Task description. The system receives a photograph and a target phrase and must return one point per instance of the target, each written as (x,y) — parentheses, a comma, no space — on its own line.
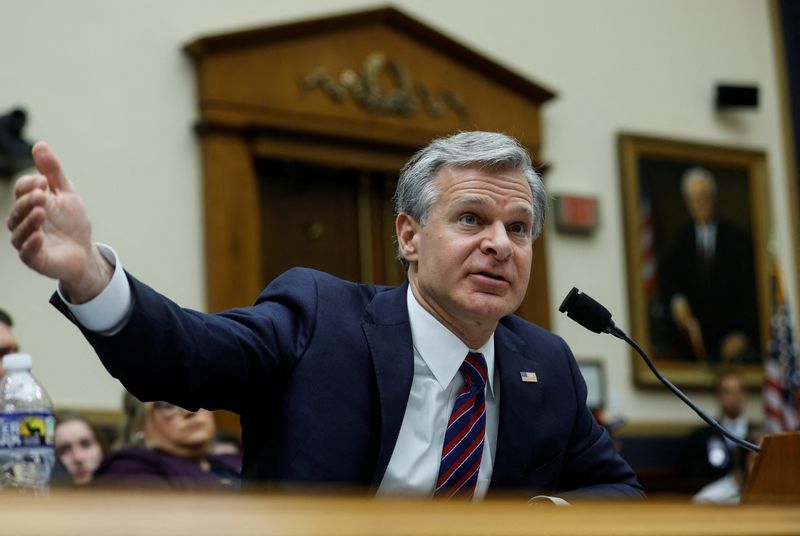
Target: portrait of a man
(707,280)
(696,247)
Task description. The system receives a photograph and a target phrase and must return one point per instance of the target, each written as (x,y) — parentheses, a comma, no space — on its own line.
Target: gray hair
(416,192)
(701,174)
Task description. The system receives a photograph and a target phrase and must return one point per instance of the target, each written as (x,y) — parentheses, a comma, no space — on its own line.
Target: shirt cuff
(108,312)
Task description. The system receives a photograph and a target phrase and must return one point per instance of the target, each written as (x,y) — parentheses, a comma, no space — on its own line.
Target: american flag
(646,251)
(782,379)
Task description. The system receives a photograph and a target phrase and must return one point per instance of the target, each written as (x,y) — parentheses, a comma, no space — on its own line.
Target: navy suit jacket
(320,371)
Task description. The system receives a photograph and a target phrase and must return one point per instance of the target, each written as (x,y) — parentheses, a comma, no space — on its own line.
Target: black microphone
(583,309)
(587,312)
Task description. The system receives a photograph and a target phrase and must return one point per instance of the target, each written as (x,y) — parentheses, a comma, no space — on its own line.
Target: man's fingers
(27,227)
(23,206)
(48,165)
(26,183)
(30,248)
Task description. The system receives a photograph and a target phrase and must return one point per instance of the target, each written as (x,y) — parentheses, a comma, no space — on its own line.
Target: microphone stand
(618,333)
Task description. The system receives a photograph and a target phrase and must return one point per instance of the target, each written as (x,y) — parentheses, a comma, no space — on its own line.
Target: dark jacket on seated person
(157,468)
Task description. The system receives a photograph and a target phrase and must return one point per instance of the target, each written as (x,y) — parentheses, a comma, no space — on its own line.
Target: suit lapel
(520,409)
(388,334)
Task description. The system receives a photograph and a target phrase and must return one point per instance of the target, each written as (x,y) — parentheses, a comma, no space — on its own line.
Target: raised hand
(51,230)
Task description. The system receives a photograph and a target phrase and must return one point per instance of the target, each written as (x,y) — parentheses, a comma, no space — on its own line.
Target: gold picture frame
(724,287)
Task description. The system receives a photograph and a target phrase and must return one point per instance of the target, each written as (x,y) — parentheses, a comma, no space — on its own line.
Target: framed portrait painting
(594,375)
(696,233)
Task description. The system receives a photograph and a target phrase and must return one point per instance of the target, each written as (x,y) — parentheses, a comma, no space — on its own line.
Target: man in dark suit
(708,279)
(431,388)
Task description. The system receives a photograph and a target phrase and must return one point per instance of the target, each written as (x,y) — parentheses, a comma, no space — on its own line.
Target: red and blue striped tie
(466,429)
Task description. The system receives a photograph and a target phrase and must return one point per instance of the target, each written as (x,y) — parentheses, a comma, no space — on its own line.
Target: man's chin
(485,307)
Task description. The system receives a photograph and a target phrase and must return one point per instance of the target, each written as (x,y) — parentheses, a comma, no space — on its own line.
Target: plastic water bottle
(27,427)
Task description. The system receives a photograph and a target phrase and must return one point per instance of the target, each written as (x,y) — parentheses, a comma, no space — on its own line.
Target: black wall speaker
(736,96)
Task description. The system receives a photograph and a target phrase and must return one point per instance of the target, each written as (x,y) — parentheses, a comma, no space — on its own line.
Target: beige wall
(107,86)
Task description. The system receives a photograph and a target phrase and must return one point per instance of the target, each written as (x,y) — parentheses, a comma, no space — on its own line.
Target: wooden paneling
(228,82)
(775,477)
(261,71)
(311,218)
(232,222)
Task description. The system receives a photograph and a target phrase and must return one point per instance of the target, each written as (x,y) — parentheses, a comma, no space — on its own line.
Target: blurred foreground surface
(103,512)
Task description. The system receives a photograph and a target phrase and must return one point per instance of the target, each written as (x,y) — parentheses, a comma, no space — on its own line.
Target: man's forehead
(698,185)
(480,179)
(453,171)
(730,382)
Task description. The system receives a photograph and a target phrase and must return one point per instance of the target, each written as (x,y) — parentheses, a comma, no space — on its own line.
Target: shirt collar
(735,425)
(441,350)
(710,227)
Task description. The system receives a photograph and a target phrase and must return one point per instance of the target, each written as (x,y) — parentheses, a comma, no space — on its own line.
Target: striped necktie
(463,442)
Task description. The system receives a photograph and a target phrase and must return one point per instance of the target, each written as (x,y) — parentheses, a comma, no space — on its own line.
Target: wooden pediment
(377,76)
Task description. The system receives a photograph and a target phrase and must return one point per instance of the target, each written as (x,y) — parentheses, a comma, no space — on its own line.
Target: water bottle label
(27,430)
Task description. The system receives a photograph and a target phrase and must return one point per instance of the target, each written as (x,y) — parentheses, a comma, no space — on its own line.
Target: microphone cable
(590,314)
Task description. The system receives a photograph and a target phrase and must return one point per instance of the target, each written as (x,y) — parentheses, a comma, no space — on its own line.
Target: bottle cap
(17,361)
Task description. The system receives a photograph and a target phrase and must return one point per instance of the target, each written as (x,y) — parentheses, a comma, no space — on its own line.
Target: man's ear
(407,229)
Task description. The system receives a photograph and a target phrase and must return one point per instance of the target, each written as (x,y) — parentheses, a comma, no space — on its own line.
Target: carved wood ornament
(402,98)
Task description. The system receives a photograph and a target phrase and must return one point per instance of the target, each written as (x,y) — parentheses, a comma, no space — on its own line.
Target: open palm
(49,225)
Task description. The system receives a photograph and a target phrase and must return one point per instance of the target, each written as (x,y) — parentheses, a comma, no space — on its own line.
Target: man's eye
(469,219)
(518,228)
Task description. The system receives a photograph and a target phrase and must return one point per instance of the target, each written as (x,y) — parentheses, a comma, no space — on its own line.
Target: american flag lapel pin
(529,377)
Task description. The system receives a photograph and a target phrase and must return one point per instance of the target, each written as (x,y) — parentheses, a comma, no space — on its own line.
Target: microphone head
(586,311)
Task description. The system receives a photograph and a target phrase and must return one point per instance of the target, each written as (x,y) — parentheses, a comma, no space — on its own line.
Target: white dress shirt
(738,427)
(438,354)
(725,490)
(107,312)
(414,466)
(706,239)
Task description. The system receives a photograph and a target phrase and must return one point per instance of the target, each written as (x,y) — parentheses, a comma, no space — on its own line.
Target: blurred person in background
(8,343)
(79,446)
(163,445)
(728,488)
(710,456)
(225,443)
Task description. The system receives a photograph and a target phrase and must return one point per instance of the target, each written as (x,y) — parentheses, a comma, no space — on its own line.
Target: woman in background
(79,447)
(168,446)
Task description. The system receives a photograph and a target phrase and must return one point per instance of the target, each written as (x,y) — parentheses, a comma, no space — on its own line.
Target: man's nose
(496,242)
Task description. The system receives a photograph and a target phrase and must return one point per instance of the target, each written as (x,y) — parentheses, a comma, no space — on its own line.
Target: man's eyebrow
(526,208)
(482,200)
(477,200)
(469,200)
